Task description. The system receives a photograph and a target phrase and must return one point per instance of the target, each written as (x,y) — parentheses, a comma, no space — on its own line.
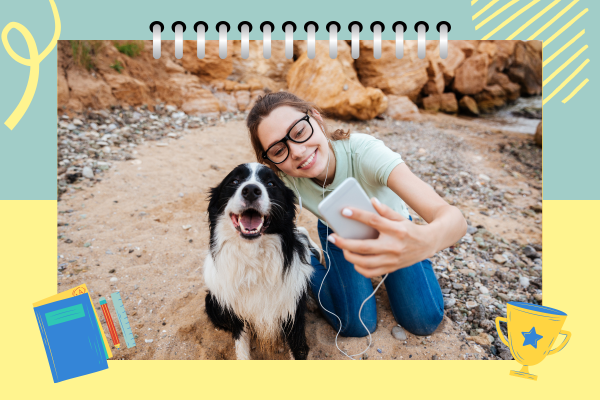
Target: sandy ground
(143,231)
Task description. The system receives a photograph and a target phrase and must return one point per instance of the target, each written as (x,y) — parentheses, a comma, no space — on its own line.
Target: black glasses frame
(288,137)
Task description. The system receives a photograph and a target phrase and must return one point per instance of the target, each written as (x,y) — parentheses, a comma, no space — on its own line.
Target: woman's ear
(316,115)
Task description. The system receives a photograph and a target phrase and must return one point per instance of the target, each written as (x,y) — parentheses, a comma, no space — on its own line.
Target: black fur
(282,223)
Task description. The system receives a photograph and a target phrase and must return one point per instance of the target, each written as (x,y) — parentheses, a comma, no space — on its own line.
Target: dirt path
(143,231)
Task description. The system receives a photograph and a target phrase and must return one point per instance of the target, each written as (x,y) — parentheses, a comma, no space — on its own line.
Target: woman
(288,134)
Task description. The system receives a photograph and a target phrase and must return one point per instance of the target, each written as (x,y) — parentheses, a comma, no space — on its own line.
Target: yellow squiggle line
(33,62)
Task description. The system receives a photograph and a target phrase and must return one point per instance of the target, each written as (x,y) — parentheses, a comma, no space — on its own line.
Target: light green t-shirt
(363,157)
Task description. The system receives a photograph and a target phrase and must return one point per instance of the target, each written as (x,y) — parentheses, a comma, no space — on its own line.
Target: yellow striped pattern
(547,6)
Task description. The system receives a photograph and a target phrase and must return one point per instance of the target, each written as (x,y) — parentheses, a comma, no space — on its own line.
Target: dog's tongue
(250,220)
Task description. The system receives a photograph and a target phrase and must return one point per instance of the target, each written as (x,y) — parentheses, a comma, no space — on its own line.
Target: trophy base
(524,373)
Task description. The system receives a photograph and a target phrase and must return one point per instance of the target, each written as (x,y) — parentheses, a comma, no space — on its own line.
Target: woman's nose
(296,149)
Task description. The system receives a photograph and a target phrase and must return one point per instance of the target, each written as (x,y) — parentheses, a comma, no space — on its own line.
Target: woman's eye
(299,133)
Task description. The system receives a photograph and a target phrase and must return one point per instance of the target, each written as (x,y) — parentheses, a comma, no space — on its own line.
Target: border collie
(258,266)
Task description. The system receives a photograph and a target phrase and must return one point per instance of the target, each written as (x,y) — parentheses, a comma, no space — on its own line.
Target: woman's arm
(402,243)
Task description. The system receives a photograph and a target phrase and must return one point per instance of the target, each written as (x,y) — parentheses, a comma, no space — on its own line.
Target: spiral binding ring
(266,28)
(311,28)
(156,28)
(399,27)
(443,28)
(178,27)
(245,28)
(421,27)
(289,28)
(377,27)
(355,27)
(333,28)
(223,38)
(200,27)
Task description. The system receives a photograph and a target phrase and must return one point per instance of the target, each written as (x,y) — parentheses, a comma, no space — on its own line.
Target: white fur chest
(247,277)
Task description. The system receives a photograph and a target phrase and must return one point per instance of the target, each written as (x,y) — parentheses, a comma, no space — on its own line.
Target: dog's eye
(235,182)
(270,184)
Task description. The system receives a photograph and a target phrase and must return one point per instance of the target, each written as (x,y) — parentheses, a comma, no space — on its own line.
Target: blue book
(71,337)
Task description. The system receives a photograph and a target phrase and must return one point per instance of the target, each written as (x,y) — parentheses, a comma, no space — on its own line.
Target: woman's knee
(356,329)
(425,324)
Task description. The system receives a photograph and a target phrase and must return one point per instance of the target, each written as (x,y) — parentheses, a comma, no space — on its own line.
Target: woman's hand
(400,244)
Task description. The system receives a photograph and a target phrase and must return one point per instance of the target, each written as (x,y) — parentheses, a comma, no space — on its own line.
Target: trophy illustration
(532,330)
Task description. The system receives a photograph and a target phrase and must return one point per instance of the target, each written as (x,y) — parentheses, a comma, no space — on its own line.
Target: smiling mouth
(250,223)
(308,160)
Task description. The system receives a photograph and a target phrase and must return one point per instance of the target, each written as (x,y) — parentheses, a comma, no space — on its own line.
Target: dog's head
(255,201)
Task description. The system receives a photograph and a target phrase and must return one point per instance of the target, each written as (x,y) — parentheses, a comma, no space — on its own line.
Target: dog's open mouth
(250,223)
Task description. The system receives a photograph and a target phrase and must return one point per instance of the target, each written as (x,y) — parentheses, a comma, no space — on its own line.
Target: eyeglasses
(299,133)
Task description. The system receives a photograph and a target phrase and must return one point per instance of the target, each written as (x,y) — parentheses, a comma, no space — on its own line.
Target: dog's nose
(251,192)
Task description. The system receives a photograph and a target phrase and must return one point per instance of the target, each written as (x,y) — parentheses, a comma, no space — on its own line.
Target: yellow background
(28,253)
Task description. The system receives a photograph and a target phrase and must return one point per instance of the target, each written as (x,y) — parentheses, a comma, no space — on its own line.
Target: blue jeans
(414,293)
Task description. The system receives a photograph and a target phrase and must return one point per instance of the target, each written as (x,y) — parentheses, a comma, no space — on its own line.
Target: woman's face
(305,160)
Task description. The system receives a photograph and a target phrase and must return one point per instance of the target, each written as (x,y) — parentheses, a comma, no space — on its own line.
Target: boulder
(401,108)
(211,67)
(228,101)
(490,98)
(505,55)
(268,73)
(436,82)
(401,77)
(62,88)
(242,98)
(333,85)
(128,90)
(445,102)
(512,90)
(538,134)
(526,68)
(449,65)
(471,76)
(88,91)
(187,92)
(469,105)
(466,46)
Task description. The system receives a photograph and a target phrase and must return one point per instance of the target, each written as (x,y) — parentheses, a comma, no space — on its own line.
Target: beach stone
(401,108)
(471,76)
(499,259)
(471,230)
(449,302)
(524,282)
(469,105)
(471,304)
(483,290)
(398,333)
(114,279)
(457,286)
(530,252)
(87,172)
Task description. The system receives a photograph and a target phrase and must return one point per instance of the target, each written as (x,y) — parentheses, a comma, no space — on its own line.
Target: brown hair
(270,101)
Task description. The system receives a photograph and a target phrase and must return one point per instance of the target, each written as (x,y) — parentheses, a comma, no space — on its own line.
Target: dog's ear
(213,199)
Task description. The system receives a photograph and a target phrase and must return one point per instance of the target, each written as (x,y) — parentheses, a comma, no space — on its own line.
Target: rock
(471,229)
(228,101)
(401,77)
(449,302)
(537,296)
(88,91)
(436,82)
(87,173)
(449,65)
(524,282)
(504,296)
(242,98)
(471,76)
(114,279)
(481,340)
(211,67)
(466,46)
(258,71)
(328,77)
(538,135)
(469,105)
(471,304)
(186,91)
(499,258)
(148,340)
(401,108)
(511,89)
(445,102)
(490,98)
(62,88)
(128,90)
(483,290)
(398,333)
(487,325)
(530,252)
(186,227)
(458,286)
(526,69)
(484,177)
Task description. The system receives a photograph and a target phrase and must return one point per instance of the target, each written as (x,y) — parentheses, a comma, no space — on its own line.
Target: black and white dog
(258,266)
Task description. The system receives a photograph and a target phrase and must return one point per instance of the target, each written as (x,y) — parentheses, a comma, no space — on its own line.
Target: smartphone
(348,194)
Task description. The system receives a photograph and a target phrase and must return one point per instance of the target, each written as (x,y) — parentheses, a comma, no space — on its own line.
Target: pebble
(114,279)
(149,340)
(499,259)
(87,172)
(458,286)
(87,244)
(524,281)
(449,302)
(471,304)
(471,230)
(109,252)
(379,350)
(398,333)
(484,177)
(484,290)
(186,227)
(180,194)
(530,252)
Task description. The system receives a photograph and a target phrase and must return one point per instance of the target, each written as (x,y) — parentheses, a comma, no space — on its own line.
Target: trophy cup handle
(563,344)
(500,334)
